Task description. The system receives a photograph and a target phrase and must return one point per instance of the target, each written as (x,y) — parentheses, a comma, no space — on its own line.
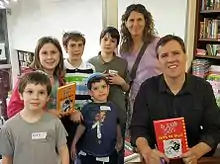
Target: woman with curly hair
(137,29)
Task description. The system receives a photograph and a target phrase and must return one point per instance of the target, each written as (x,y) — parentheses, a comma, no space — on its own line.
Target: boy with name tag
(116,71)
(33,135)
(102,134)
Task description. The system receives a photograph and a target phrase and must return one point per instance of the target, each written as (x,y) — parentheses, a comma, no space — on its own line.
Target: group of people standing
(96,130)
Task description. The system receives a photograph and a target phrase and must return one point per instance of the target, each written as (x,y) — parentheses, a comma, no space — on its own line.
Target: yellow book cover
(66,98)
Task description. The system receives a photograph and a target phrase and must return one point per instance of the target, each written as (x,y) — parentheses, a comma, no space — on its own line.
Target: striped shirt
(79,76)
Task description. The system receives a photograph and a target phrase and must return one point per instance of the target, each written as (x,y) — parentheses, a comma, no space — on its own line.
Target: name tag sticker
(106,108)
(38,135)
(113,72)
(102,159)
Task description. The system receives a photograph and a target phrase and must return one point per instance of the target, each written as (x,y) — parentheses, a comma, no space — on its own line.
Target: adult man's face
(172,59)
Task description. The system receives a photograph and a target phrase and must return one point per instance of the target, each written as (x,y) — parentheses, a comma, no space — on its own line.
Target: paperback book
(66,98)
(171,136)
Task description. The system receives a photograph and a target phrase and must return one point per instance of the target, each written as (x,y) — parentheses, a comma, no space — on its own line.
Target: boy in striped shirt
(77,71)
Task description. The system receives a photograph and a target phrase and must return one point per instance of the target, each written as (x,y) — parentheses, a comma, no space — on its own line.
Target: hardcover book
(66,98)
(171,136)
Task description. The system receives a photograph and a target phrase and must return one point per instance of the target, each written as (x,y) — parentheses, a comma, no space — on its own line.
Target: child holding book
(77,71)
(33,135)
(102,134)
(115,69)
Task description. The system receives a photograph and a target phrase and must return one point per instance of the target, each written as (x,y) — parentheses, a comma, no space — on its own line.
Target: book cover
(66,98)
(171,136)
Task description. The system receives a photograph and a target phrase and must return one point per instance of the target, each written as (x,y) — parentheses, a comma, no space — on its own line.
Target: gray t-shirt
(32,143)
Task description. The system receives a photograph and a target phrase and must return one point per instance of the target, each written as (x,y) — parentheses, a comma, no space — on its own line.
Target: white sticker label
(105,108)
(102,159)
(38,135)
(113,72)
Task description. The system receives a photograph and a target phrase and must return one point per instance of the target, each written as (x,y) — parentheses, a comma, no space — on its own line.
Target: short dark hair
(35,77)
(114,33)
(96,79)
(168,38)
(73,35)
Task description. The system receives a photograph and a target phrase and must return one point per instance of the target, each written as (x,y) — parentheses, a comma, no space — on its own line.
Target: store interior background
(23,22)
(27,20)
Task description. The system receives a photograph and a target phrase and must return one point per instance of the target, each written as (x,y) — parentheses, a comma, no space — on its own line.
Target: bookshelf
(25,58)
(207,34)
(206,63)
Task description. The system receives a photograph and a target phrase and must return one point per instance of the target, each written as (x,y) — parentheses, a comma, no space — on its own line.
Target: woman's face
(49,57)
(135,23)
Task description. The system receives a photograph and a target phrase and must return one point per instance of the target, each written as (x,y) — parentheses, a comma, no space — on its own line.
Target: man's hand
(196,152)
(190,157)
(153,156)
(76,116)
(150,156)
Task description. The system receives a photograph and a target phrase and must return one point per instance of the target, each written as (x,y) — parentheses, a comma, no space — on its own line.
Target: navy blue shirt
(101,127)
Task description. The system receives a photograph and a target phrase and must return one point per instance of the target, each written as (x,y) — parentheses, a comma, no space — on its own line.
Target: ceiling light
(6,1)
(2,7)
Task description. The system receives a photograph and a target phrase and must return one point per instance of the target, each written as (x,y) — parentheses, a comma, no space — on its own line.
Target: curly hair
(148,33)
(59,70)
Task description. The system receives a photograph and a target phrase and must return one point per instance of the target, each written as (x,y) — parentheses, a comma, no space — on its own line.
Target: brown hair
(112,31)
(168,38)
(72,35)
(148,33)
(35,77)
(59,70)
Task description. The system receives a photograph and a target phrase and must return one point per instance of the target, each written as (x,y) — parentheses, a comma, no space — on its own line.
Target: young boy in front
(33,135)
(102,134)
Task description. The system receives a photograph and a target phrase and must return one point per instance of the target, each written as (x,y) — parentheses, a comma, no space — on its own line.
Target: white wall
(32,19)
(169,15)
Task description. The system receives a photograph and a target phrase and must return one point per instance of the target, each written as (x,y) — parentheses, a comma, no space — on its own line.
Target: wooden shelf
(208,57)
(209,40)
(209,11)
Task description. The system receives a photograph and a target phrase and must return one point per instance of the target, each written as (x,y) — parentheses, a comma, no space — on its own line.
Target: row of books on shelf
(203,68)
(211,50)
(210,5)
(210,29)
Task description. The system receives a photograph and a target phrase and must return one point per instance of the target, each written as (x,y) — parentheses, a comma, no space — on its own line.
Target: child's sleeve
(6,142)
(15,104)
(61,134)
